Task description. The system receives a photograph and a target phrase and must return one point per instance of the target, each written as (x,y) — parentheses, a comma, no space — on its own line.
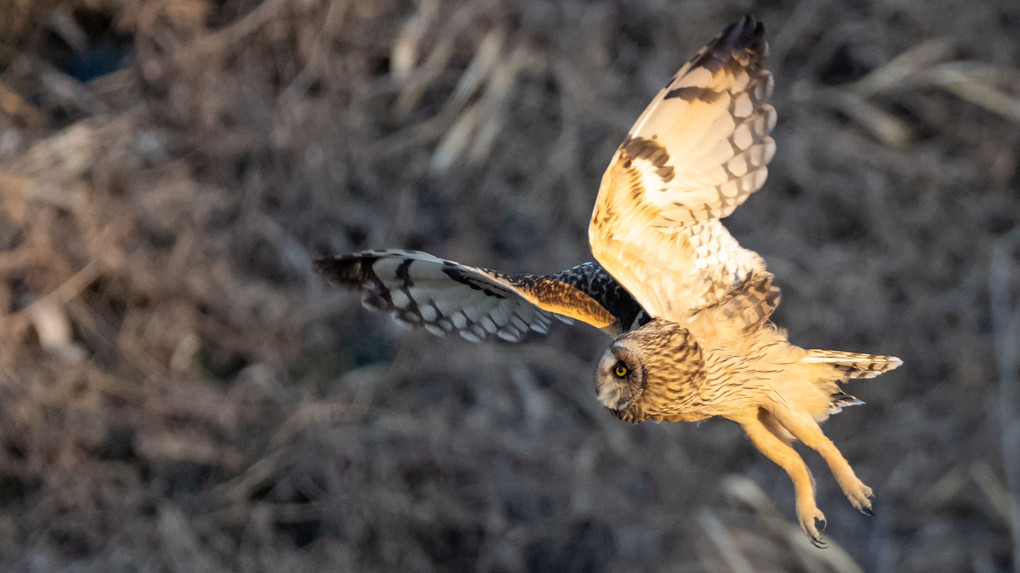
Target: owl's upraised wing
(421,290)
(696,153)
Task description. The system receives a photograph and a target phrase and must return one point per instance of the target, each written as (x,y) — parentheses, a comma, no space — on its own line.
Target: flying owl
(688,307)
(729,360)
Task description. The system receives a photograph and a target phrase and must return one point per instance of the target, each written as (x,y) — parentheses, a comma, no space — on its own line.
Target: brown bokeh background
(178,392)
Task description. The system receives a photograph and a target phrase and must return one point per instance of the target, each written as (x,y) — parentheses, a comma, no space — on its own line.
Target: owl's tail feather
(854,365)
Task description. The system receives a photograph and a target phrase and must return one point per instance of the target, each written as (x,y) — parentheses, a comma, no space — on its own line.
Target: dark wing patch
(651,151)
(597,283)
(744,36)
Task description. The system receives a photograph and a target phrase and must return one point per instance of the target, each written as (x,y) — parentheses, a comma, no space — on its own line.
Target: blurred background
(178,392)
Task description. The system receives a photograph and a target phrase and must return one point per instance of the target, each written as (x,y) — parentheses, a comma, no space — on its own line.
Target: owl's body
(690,378)
(688,306)
(724,360)
(729,360)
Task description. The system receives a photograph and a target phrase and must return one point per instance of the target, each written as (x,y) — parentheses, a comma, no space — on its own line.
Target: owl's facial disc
(619,379)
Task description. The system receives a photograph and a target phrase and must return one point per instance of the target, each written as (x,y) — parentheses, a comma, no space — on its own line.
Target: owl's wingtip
(327,267)
(321,266)
(747,32)
(345,270)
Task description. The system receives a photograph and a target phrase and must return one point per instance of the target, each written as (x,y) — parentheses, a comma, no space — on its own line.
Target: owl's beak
(611,395)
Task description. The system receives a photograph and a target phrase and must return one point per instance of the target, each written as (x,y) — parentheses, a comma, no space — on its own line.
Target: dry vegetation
(179,393)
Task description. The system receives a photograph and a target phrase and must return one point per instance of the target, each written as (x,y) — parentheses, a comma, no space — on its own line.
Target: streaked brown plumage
(729,360)
(699,150)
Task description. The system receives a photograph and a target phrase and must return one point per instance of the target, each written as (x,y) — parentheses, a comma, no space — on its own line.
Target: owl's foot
(807,430)
(809,518)
(859,495)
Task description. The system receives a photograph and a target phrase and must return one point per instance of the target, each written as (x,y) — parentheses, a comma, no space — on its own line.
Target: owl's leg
(806,430)
(787,458)
(775,427)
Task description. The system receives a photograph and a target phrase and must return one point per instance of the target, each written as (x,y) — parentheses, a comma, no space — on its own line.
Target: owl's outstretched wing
(696,153)
(421,290)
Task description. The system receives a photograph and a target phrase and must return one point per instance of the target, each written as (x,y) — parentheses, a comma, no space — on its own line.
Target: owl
(729,360)
(688,308)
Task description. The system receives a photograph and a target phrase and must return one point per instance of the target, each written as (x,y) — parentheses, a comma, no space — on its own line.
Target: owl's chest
(729,385)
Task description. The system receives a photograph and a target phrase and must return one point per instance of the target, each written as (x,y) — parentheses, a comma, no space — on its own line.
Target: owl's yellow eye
(620,371)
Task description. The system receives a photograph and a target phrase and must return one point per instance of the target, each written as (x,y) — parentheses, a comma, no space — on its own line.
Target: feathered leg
(775,427)
(787,458)
(807,430)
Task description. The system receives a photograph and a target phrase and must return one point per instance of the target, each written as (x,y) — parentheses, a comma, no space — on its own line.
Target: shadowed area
(180,392)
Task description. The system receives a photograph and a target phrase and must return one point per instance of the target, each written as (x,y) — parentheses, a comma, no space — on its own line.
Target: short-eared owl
(688,306)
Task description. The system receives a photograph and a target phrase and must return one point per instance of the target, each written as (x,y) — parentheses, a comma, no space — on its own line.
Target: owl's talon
(809,524)
(860,497)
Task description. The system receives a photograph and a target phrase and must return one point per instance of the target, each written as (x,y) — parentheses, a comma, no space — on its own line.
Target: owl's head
(662,356)
(620,378)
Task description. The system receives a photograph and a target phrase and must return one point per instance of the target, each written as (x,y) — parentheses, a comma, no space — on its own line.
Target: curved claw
(860,497)
(809,524)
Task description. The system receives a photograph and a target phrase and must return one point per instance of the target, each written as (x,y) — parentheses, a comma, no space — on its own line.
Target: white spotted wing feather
(421,290)
(442,296)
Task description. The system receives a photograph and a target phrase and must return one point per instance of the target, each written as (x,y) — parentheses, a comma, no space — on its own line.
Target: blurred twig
(853,100)
(923,65)
(973,81)
(473,133)
(62,294)
(904,66)
(745,492)
(1005,310)
(729,549)
(14,105)
(237,32)
(881,124)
